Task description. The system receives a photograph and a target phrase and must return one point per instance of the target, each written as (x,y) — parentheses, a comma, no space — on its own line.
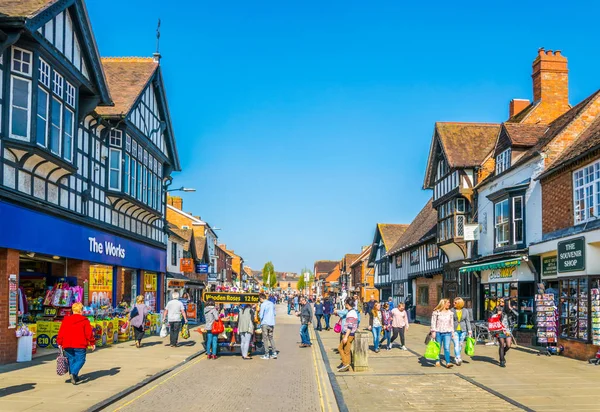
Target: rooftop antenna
(156,56)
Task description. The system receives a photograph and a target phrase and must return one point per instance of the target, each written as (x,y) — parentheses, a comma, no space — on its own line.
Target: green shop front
(570,269)
(512,280)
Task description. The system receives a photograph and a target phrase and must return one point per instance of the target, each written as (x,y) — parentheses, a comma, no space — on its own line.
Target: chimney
(550,78)
(175,201)
(516,106)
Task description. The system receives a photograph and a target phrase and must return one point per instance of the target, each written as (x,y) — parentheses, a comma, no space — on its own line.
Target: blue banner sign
(32,231)
(202,268)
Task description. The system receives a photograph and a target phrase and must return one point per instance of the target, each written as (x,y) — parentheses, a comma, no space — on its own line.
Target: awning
(491,265)
(178,276)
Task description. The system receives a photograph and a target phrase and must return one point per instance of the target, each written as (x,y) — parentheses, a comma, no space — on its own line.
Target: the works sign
(571,255)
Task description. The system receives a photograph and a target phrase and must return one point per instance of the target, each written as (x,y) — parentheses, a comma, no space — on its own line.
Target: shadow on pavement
(426,363)
(11,390)
(484,359)
(92,376)
(147,345)
(188,343)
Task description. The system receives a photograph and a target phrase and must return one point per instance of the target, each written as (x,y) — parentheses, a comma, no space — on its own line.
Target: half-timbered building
(386,235)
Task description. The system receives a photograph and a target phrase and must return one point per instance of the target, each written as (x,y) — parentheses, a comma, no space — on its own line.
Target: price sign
(43,341)
(50,312)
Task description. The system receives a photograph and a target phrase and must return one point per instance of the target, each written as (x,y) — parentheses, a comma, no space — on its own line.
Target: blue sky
(302,124)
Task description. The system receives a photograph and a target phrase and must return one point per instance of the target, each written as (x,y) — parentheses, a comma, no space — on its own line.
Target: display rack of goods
(546,319)
(595,316)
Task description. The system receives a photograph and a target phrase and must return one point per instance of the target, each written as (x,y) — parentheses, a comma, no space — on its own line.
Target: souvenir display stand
(595,316)
(546,319)
(227,304)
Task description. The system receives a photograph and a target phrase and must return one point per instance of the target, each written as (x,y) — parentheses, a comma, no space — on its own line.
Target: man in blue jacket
(267,324)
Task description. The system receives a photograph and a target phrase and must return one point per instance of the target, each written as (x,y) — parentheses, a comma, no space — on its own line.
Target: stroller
(596,360)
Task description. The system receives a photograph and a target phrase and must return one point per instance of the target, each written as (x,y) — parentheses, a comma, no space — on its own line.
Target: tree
(269,276)
(301,283)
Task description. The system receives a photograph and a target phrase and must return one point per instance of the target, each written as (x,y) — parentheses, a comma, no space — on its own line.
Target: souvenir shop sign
(228,297)
(72,240)
(571,255)
(549,266)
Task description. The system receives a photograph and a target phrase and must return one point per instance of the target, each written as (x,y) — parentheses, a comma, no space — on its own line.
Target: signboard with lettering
(502,274)
(175,283)
(571,255)
(230,297)
(549,266)
(202,268)
(186,265)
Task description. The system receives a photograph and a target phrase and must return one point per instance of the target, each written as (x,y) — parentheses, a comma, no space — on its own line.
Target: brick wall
(424,311)
(9,265)
(178,219)
(578,350)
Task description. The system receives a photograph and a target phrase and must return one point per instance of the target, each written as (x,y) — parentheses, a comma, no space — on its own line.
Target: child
(596,360)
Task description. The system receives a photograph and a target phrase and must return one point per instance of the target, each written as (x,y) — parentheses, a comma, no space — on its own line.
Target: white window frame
(21,62)
(113,152)
(515,220)
(45,73)
(72,136)
(497,225)
(70,94)
(12,106)
(116,138)
(58,84)
(586,189)
(47,119)
(60,129)
(503,161)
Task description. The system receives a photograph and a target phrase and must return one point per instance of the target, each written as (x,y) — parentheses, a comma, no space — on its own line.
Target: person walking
(506,312)
(173,313)
(290,302)
(462,327)
(246,329)
(306,315)
(369,310)
(327,310)
(211,314)
(74,337)
(386,317)
(319,314)
(348,331)
(267,324)
(296,305)
(376,325)
(442,328)
(399,325)
(137,319)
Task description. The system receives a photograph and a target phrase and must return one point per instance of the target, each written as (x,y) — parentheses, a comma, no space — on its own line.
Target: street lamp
(182,189)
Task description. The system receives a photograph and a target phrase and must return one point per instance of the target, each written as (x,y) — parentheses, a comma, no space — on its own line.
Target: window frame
(584,189)
(423,295)
(64,134)
(13,59)
(432,250)
(113,151)
(503,161)
(514,220)
(12,107)
(46,120)
(398,260)
(415,257)
(506,222)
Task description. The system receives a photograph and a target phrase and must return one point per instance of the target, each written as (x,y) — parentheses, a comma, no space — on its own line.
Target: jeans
(211,343)
(76,359)
(175,328)
(398,331)
(376,335)
(246,338)
(444,338)
(304,336)
(296,307)
(459,339)
(327,317)
(344,350)
(319,317)
(289,308)
(387,336)
(267,338)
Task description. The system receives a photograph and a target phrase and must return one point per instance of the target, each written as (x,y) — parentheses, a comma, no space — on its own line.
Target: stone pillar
(9,265)
(360,351)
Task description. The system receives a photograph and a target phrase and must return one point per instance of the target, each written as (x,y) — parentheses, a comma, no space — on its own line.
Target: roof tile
(24,8)
(467,144)
(422,227)
(391,232)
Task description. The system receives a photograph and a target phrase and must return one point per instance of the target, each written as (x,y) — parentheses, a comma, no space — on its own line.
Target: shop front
(49,263)
(570,270)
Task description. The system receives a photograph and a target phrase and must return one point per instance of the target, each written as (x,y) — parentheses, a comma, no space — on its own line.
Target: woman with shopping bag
(500,324)
(74,337)
(462,327)
(137,320)
(442,329)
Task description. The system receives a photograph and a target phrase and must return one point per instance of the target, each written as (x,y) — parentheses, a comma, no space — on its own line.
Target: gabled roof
(463,145)
(524,135)
(24,8)
(362,256)
(422,228)
(349,259)
(325,266)
(390,233)
(186,235)
(127,78)
(194,220)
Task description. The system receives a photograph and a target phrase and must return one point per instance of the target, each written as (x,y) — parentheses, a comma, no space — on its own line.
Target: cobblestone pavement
(288,383)
(403,380)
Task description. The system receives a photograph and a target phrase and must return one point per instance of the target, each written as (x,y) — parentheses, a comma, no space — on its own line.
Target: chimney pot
(551,78)
(516,106)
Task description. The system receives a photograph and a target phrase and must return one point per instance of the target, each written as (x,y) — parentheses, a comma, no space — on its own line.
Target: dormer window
(503,161)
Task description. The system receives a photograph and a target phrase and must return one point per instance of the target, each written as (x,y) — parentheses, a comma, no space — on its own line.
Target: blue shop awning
(491,265)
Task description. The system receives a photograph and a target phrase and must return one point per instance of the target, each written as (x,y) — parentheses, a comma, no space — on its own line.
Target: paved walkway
(34,386)
(296,381)
(403,380)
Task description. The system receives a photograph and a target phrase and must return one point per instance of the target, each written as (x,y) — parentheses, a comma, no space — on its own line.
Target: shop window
(423,295)
(574,308)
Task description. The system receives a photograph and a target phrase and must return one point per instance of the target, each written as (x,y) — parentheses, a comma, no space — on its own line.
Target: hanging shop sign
(549,266)
(226,297)
(175,284)
(202,268)
(186,265)
(73,240)
(571,255)
(502,274)
(12,301)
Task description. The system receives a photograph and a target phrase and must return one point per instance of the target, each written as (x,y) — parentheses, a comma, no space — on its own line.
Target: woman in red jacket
(74,336)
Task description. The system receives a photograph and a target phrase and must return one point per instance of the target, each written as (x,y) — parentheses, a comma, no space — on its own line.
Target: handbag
(338,326)
(470,346)
(495,324)
(164,330)
(428,338)
(185,331)
(432,352)
(217,327)
(62,363)
(134,312)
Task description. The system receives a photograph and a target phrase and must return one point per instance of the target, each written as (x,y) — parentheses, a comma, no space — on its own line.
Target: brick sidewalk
(403,380)
(34,386)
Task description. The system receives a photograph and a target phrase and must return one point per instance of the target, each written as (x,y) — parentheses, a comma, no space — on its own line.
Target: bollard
(360,351)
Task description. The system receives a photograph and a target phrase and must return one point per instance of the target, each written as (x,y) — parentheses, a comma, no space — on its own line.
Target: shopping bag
(164,330)
(185,331)
(338,326)
(62,364)
(495,323)
(218,327)
(470,346)
(432,352)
